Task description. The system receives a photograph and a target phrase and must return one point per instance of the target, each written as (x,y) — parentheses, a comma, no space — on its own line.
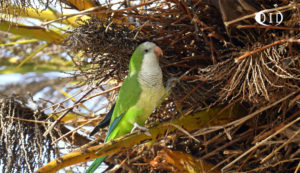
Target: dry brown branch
(64,114)
(242,120)
(280,147)
(259,144)
(260,49)
(267,27)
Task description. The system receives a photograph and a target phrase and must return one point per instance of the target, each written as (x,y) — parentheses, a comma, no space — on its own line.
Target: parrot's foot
(136,126)
(171,83)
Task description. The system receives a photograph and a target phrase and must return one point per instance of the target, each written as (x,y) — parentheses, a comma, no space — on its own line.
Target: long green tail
(95,164)
(99,160)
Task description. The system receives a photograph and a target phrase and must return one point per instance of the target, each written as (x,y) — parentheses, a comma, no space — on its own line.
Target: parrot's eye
(146,50)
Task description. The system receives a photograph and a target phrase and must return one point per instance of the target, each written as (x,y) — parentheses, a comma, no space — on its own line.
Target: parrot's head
(146,53)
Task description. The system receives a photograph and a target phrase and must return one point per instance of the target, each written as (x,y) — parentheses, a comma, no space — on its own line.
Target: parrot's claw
(171,83)
(144,129)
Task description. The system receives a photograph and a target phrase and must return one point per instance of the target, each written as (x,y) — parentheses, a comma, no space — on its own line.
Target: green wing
(128,96)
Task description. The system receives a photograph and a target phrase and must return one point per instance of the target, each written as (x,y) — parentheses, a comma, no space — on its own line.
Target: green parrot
(140,93)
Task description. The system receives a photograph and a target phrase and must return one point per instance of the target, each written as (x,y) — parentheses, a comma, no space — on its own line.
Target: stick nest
(217,65)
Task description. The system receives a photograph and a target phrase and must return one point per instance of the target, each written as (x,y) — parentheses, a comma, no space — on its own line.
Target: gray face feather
(150,74)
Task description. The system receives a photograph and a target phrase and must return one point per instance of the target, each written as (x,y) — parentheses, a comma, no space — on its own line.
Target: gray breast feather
(153,80)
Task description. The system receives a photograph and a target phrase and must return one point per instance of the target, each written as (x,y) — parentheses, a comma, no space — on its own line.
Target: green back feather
(131,89)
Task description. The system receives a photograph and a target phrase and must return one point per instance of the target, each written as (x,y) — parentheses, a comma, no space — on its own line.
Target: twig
(264,135)
(258,144)
(88,98)
(220,163)
(57,104)
(184,131)
(244,119)
(193,90)
(298,167)
(246,160)
(264,167)
(259,49)
(69,110)
(266,27)
(221,148)
(280,147)
(87,11)
(32,121)
(63,115)
(71,131)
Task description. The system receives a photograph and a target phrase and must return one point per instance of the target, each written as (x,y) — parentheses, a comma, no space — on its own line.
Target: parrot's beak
(158,52)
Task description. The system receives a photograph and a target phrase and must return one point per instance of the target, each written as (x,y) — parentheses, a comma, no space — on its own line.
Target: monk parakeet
(140,93)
